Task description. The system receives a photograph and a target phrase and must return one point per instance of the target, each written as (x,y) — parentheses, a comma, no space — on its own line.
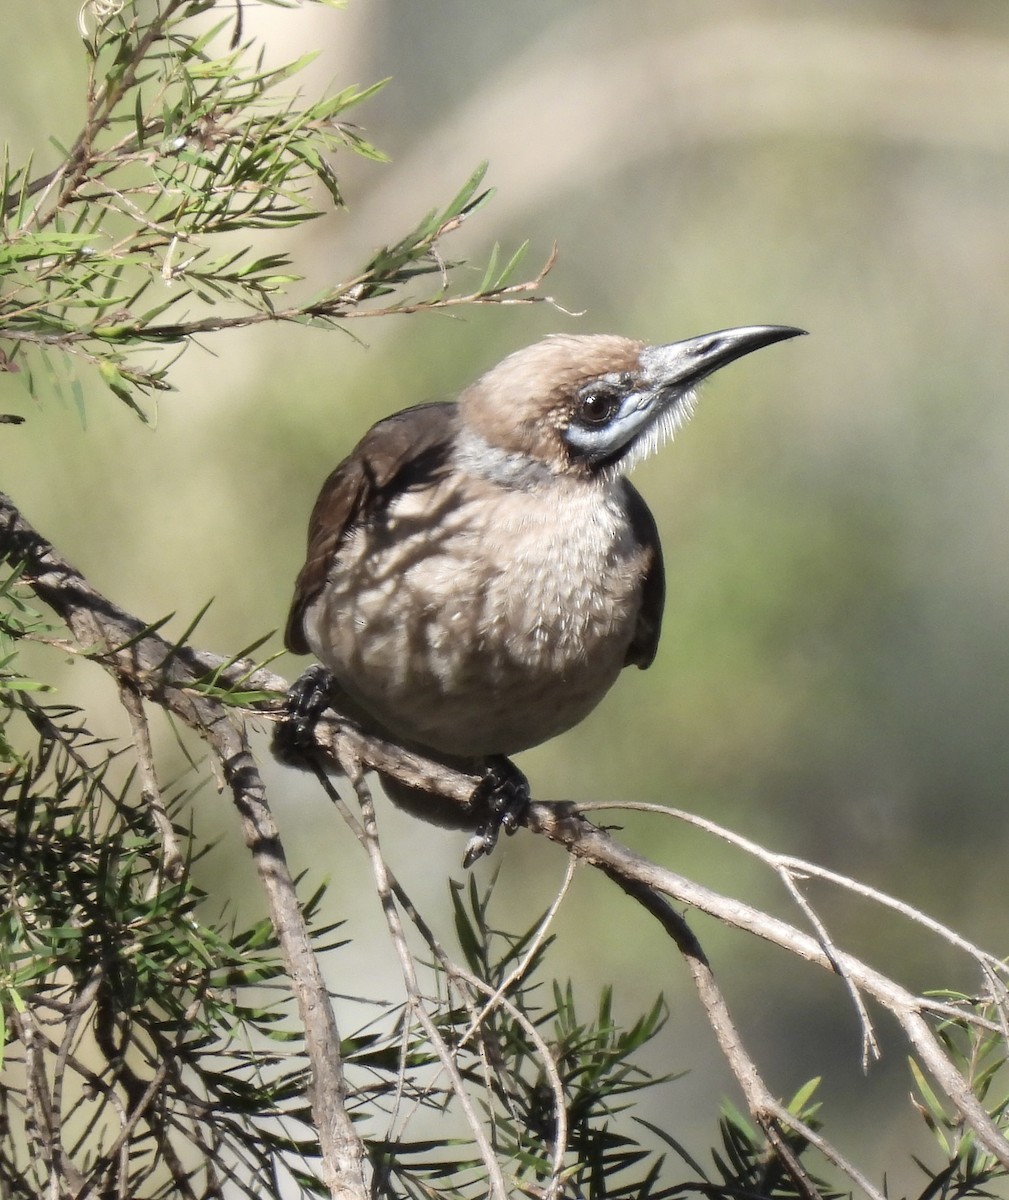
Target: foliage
(126,251)
(743,1163)
(146,1035)
(981,1054)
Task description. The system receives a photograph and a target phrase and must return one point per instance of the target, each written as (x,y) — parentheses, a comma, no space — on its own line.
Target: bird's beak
(661,395)
(679,366)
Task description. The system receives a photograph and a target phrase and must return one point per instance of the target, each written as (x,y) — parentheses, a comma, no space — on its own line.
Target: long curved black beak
(681,365)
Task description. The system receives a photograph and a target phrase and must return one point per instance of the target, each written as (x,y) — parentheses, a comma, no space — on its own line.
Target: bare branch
(564,824)
(173,862)
(870,1046)
(160,672)
(800,867)
(771,1115)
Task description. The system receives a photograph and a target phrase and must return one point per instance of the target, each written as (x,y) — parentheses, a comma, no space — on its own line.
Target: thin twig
(37,1127)
(414,996)
(518,972)
(766,1110)
(342,304)
(801,866)
(173,860)
(79,1008)
(870,1046)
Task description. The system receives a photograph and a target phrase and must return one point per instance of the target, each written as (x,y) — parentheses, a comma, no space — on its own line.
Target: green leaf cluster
(146,1032)
(148,233)
(18,619)
(979,1054)
(184,140)
(743,1163)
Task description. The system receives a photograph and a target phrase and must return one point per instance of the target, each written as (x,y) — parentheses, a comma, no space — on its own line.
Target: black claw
(307,699)
(482,842)
(504,792)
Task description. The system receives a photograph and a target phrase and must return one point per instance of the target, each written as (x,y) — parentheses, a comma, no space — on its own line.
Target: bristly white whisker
(662,430)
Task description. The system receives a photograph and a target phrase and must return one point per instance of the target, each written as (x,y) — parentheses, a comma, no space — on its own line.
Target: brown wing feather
(644,644)
(408,449)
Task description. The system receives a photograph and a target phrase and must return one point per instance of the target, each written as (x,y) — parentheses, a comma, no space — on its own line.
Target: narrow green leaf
(802,1097)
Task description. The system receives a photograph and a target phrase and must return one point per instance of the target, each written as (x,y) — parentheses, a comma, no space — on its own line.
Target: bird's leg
(307,699)
(501,798)
(504,793)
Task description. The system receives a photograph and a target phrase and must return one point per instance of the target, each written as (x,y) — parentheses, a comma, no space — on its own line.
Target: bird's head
(595,404)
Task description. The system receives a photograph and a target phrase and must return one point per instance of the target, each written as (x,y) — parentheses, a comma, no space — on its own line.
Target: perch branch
(173,677)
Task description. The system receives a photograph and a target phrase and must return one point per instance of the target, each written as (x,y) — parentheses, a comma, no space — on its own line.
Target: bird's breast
(478,619)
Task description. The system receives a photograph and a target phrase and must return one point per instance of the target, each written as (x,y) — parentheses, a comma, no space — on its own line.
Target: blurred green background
(832,680)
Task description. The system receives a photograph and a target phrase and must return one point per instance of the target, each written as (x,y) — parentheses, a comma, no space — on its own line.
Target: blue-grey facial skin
(650,405)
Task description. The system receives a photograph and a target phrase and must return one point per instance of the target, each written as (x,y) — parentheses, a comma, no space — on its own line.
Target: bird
(480,571)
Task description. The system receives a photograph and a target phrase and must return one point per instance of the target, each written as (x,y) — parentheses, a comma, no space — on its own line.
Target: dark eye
(596,407)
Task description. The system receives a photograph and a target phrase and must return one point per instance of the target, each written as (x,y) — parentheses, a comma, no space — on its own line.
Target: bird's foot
(504,793)
(307,699)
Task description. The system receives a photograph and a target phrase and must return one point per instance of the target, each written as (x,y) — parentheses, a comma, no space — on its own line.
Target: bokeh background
(833,676)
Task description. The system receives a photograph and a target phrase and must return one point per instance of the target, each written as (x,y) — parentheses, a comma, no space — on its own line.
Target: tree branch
(173,676)
(563,823)
(167,674)
(766,1110)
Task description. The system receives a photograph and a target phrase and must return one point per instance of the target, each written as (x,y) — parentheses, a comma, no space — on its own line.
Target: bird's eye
(596,407)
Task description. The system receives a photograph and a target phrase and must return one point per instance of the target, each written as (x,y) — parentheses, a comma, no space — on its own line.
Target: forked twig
(565,825)
(803,867)
(771,1115)
(173,861)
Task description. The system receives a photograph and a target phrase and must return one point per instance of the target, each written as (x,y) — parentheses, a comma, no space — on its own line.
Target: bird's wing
(406,450)
(641,651)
